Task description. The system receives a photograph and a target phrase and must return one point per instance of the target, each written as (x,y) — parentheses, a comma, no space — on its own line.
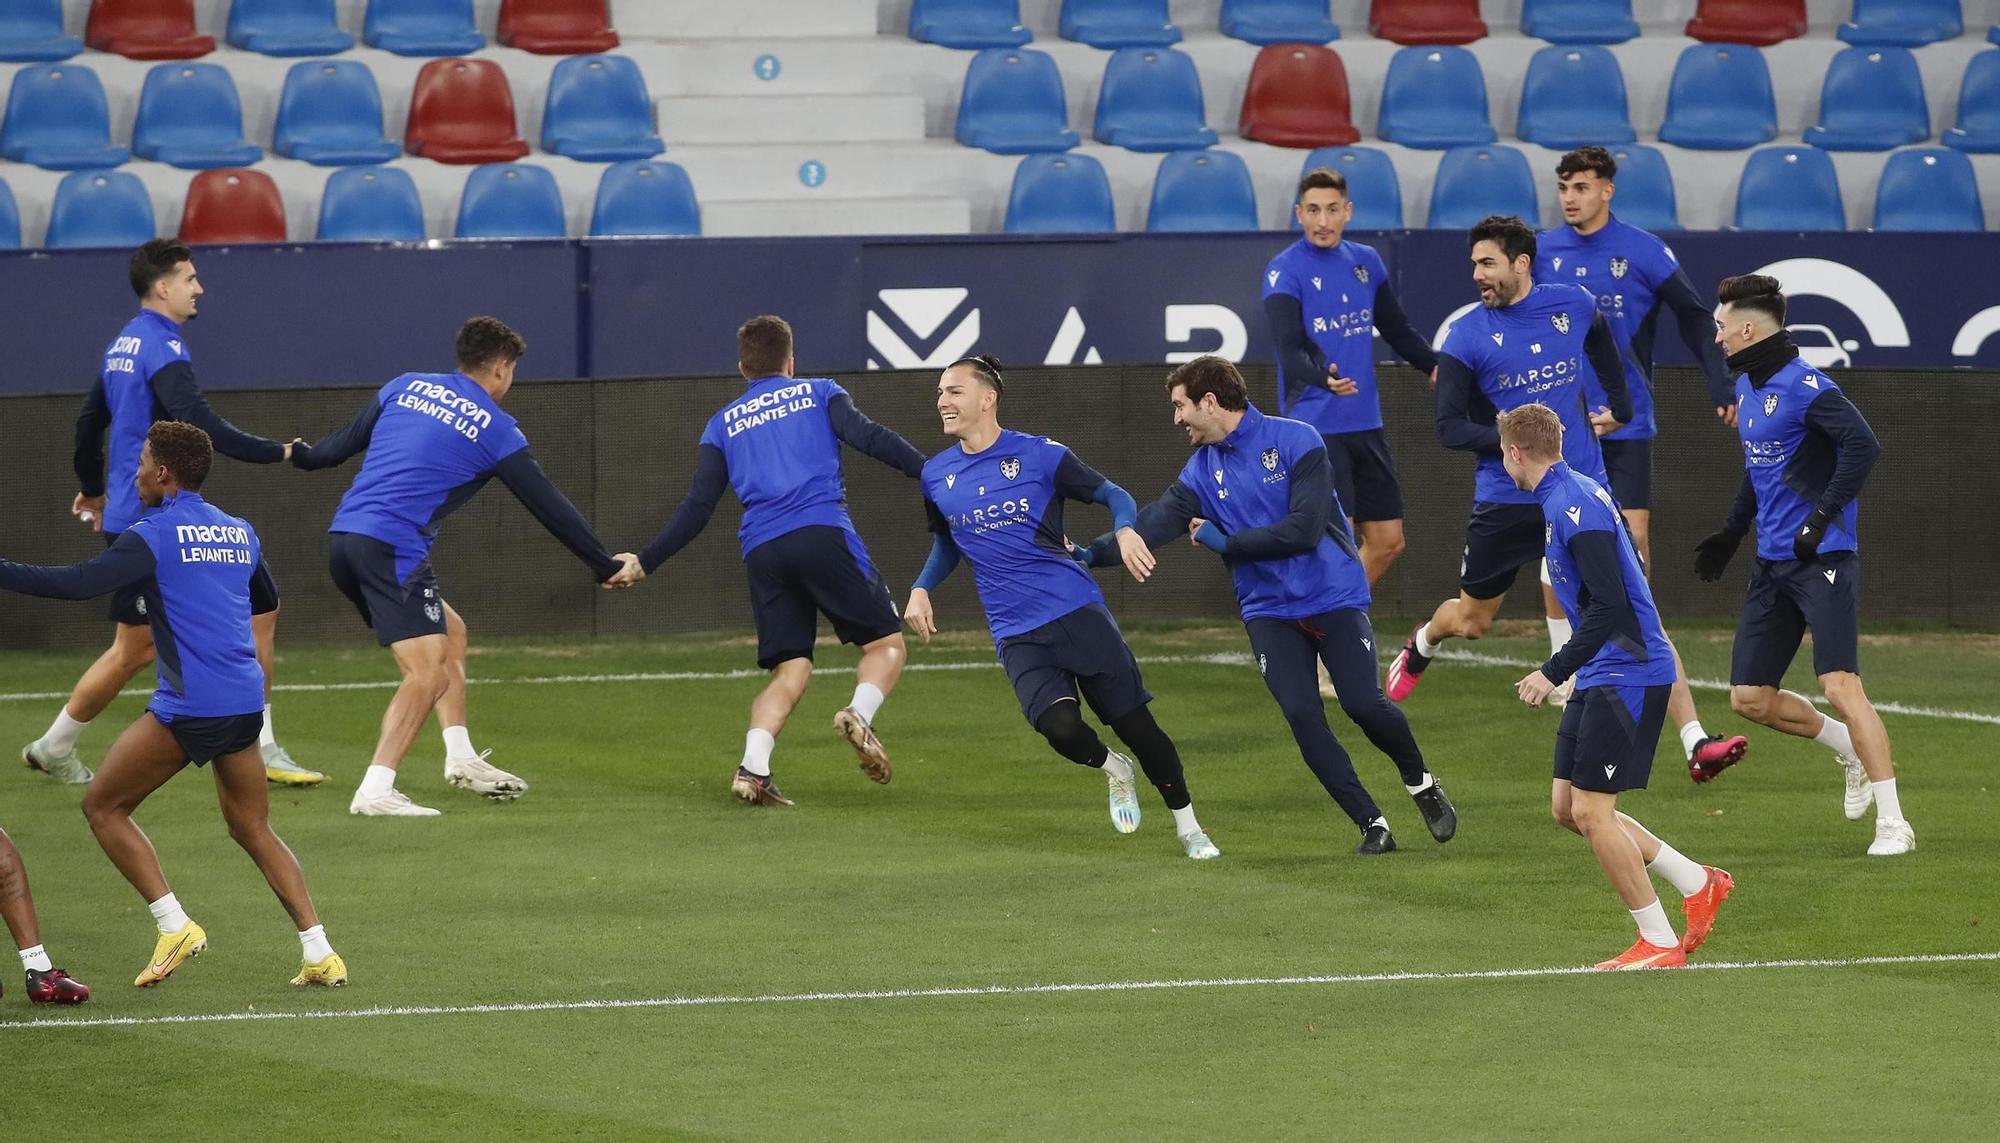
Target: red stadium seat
(1427,21)
(146,29)
(1757,22)
(231,204)
(557,27)
(1297,97)
(462,111)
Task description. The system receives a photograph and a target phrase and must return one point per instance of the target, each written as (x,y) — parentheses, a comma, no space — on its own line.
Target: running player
(47,984)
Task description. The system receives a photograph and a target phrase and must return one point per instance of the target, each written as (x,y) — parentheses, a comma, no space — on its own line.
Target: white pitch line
(981,991)
(1220,659)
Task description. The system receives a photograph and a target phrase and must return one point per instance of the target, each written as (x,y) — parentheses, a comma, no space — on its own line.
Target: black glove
(1712,555)
(1805,545)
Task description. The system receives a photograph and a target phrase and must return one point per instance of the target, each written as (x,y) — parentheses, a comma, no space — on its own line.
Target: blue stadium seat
(641,198)
(1574,97)
(598,111)
(968,23)
(101,208)
(1150,100)
(1645,189)
(10,219)
(1013,104)
(1929,188)
(1278,21)
(31,31)
(1372,185)
(422,27)
(1720,99)
(330,114)
(287,27)
(1119,23)
(1789,188)
(1978,127)
(1060,194)
(1434,98)
(1872,100)
(511,200)
(371,204)
(1903,23)
(58,120)
(1579,21)
(1473,182)
(1202,190)
(189,117)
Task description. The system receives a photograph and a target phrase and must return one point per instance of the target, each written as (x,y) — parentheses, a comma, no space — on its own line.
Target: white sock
(1833,735)
(1685,875)
(1652,922)
(36,959)
(1559,632)
(314,942)
(1184,823)
(62,734)
(867,700)
(1118,766)
(1425,647)
(757,747)
(1420,787)
(1691,736)
(1888,804)
(458,743)
(270,736)
(378,780)
(168,914)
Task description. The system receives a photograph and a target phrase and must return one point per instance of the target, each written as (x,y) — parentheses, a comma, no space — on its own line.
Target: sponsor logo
(1562,322)
(1011,467)
(1619,266)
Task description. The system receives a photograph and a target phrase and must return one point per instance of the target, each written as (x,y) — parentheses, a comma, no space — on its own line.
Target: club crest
(1562,322)
(1270,460)
(1619,266)
(1361,274)
(1770,404)
(1011,467)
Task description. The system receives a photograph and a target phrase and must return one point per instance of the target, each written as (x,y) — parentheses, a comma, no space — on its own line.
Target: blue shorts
(397,607)
(1629,465)
(1499,539)
(808,572)
(130,605)
(206,739)
(1786,598)
(1082,651)
(1364,476)
(1608,736)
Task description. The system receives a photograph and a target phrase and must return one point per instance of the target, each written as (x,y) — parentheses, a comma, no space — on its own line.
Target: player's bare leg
(54,753)
(768,713)
(881,666)
(422,661)
(1595,815)
(465,767)
(1461,618)
(141,761)
(278,764)
(47,984)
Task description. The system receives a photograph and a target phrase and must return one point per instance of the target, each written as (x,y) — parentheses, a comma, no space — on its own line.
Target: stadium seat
(100,208)
(598,111)
(1474,182)
(189,116)
(1789,188)
(462,111)
(1434,98)
(1060,194)
(1872,100)
(1759,23)
(1150,100)
(10,219)
(968,23)
(1297,97)
(1013,104)
(1645,189)
(1579,21)
(232,206)
(422,27)
(557,27)
(371,204)
(1426,21)
(1372,185)
(1930,188)
(330,115)
(1978,126)
(287,27)
(31,31)
(57,119)
(146,29)
(510,200)
(1202,190)
(1278,21)
(1903,23)
(1118,23)
(641,198)
(1574,97)
(1720,99)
